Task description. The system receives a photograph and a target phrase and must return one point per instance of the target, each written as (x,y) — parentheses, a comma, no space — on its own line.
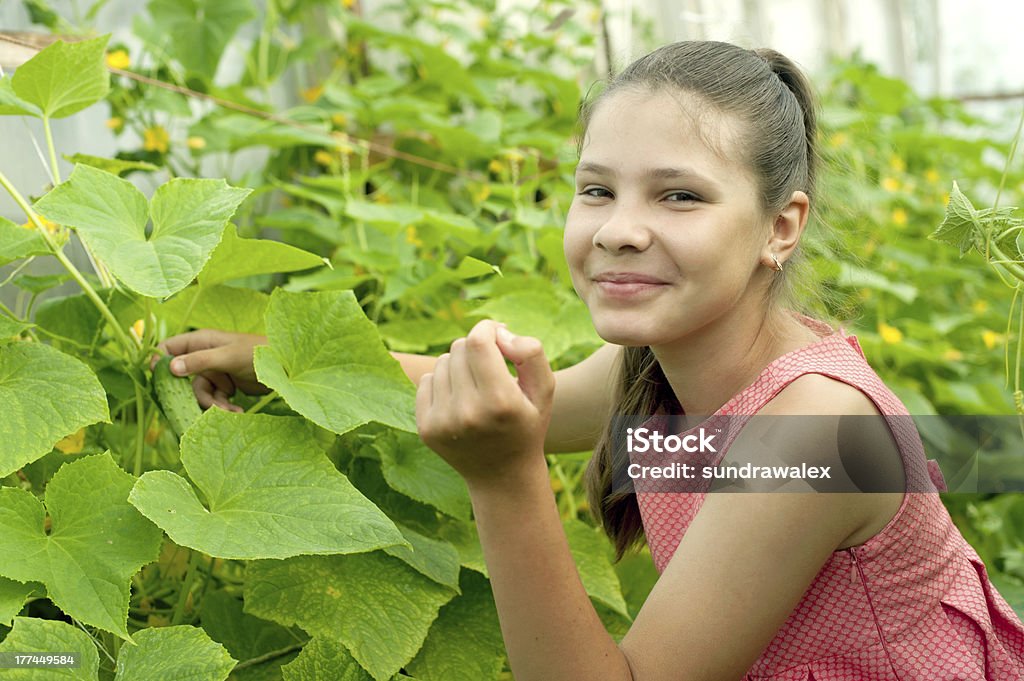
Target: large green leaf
(110,214)
(324,659)
(465,642)
(46,395)
(181,653)
(198,30)
(219,307)
(13,105)
(32,635)
(590,552)
(560,324)
(17,242)
(415,471)
(65,77)
(245,637)
(433,558)
(10,328)
(327,361)
(12,598)
(235,257)
(270,492)
(376,605)
(96,541)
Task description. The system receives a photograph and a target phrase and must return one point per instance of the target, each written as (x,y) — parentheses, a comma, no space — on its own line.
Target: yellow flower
(514,156)
(865,293)
(312,94)
(495,166)
(348,4)
(323,157)
(932,175)
(483,22)
(115,122)
(118,59)
(837,140)
(72,444)
(980,306)
(890,184)
(897,164)
(138,328)
(480,195)
(412,237)
(343,147)
(952,355)
(156,139)
(899,217)
(890,334)
(339,120)
(50,226)
(196,142)
(945,198)
(991,338)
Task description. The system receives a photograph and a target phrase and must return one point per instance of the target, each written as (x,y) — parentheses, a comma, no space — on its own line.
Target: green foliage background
(426,171)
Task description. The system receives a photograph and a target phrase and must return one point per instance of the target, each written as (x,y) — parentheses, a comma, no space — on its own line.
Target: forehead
(641,128)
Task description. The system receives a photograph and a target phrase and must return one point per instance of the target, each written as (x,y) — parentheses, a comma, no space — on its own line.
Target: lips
(627,278)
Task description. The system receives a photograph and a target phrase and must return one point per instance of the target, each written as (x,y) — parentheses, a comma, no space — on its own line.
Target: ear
(786,230)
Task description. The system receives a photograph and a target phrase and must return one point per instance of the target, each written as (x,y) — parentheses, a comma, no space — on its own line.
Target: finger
(484,356)
(442,381)
(462,375)
(203,390)
(220,400)
(532,366)
(191,341)
(220,358)
(424,399)
(220,381)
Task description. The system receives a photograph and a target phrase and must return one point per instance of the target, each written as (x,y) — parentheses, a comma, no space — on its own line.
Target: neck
(741,343)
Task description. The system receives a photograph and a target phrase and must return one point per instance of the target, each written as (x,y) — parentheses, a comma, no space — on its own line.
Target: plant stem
(186,587)
(273,654)
(121,334)
(54,168)
(140,428)
(264,401)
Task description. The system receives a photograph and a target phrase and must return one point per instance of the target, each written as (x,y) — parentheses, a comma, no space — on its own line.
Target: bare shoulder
(833,423)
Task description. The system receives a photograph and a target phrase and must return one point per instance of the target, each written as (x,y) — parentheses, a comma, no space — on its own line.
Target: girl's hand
(486,423)
(221,362)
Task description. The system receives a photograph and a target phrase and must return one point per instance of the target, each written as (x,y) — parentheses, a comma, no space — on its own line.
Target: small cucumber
(174,393)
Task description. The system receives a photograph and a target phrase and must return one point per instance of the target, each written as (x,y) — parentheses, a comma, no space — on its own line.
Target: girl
(696,172)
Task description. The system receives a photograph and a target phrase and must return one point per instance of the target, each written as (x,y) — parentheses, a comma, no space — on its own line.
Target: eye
(595,192)
(680,197)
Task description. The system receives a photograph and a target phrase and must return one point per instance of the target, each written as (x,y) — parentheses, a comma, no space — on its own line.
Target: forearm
(550,627)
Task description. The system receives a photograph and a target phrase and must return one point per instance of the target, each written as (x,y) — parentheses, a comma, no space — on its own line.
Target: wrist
(527,472)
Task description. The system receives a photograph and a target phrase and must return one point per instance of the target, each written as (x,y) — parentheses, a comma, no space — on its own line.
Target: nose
(626,228)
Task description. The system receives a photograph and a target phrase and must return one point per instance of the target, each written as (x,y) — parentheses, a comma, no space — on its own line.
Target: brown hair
(773,100)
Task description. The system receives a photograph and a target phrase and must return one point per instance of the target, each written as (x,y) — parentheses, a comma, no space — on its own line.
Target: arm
(744,563)
(222,362)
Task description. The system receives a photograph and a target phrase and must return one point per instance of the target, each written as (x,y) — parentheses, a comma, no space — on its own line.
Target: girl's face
(664,236)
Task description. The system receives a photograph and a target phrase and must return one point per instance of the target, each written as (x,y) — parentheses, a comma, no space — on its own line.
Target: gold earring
(778,265)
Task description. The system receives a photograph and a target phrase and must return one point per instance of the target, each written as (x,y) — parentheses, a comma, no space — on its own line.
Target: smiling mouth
(625,286)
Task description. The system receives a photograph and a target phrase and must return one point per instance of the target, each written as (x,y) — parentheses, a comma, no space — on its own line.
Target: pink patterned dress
(912,603)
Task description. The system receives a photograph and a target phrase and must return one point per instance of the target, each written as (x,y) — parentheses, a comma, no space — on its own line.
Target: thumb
(196,362)
(535,376)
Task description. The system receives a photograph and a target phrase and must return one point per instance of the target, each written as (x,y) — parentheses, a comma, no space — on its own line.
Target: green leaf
(12,105)
(559,324)
(432,558)
(18,242)
(235,257)
(465,642)
(270,491)
(418,335)
(11,329)
(114,166)
(110,215)
(324,659)
(181,653)
(414,470)
(12,598)
(590,552)
(218,307)
(242,635)
(32,635)
(198,30)
(376,605)
(65,77)
(96,542)
(960,226)
(327,361)
(46,395)
(861,277)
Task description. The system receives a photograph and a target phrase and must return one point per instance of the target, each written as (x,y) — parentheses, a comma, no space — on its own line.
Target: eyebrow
(653,173)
